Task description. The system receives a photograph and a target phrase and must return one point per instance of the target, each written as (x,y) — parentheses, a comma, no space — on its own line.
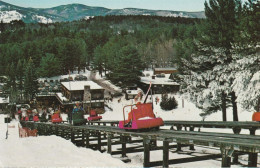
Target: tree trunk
(234,104)
(100,70)
(224,106)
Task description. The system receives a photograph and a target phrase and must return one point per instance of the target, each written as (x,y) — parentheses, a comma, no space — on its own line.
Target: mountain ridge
(76,11)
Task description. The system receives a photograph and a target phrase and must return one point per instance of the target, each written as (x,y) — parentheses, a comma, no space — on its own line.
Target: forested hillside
(101,42)
(217,58)
(71,12)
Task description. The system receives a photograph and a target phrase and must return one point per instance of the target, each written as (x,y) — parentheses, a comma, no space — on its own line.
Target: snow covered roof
(165,69)
(79,85)
(133,92)
(62,98)
(4,100)
(158,81)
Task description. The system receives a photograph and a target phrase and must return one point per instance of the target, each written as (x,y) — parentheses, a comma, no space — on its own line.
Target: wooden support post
(62,133)
(39,130)
(192,145)
(123,141)
(235,158)
(87,139)
(129,139)
(48,130)
(56,130)
(83,137)
(179,127)
(99,141)
(72,135)
(252,158)
(226,157)
(109,144)
(252,131)
(165,154)
(146,152)
(236,131)
(153,143)
(45,130)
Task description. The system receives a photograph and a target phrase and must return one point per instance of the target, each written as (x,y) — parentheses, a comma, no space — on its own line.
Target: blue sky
(176,5)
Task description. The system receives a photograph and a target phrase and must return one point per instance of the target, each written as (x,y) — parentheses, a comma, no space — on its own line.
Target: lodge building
(164,71)
(88,93)
(160,80)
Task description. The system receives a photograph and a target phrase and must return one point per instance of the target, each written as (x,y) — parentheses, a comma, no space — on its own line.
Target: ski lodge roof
(165,69)
(157,81)
(4,100)
(79,85)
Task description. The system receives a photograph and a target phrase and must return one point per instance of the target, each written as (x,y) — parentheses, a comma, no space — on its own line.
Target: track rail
(229,144)
(236,126)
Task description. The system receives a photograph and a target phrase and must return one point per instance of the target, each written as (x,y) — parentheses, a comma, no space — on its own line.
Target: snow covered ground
(53,151)
(47,151)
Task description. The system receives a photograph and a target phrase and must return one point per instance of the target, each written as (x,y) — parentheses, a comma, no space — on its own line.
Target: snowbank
(47,151)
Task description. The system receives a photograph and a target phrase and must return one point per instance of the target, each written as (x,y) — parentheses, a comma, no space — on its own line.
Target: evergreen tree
(221,27)
(30,81)
(99,60)
(20,76)
(247,57)
(210,73)
(168,103)
(49,66)
(128,67)
(12,76)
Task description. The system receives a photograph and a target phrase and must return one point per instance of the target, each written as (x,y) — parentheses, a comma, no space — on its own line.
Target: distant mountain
(9,12)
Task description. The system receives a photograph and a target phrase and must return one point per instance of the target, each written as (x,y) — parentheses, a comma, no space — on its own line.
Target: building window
(97,105)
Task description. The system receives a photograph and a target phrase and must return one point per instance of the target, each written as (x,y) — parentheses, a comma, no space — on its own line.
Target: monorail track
(229,144)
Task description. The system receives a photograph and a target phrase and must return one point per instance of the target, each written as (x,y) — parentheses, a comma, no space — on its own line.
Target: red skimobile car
(256,115)
(55,118)
(93,116)
(141,116)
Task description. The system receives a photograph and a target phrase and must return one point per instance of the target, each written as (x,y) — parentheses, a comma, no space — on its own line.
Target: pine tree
(12,76)
(20,77)
(30,81)
(247,57)
(99,60)
(128,66)
(168,103)
(210,76)
(49,66)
